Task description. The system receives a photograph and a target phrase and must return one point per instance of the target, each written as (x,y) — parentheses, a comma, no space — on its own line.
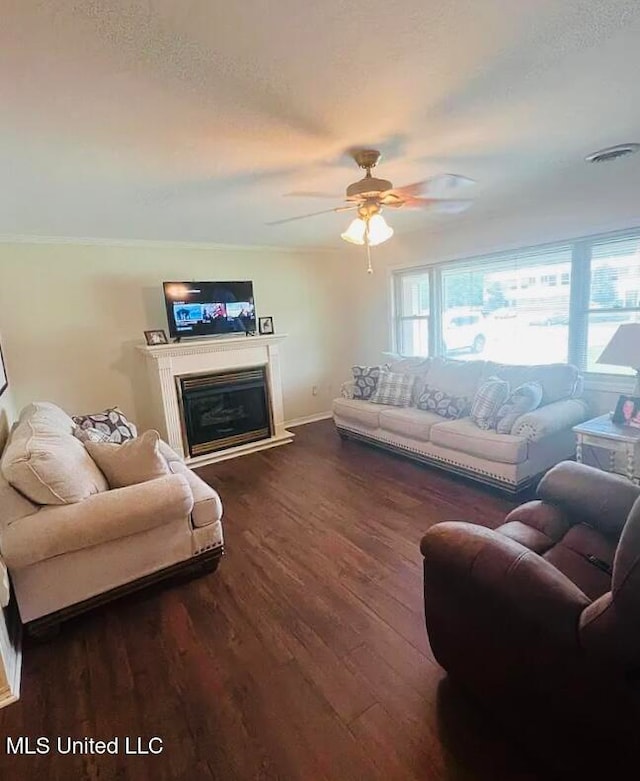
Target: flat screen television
(209,308)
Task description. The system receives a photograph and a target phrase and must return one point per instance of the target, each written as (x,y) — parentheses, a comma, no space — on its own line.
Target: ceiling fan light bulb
(379,230)
(355,232)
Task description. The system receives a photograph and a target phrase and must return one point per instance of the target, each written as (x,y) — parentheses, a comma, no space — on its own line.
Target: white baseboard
(307,419)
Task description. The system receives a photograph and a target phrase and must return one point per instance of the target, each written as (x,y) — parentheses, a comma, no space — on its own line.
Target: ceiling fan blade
(310,194)
(440,205)
(435,187)
(314,214)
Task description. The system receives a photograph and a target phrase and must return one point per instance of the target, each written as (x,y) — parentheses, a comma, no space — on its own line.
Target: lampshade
(355,232)
(379,231)
(624,349)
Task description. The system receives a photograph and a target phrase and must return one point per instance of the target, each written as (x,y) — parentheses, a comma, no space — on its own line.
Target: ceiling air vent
(612,153)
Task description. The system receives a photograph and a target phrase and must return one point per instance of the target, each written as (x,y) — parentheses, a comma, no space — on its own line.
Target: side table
(603,433)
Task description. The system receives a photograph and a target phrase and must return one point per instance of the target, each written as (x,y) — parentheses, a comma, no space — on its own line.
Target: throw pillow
(524,399)
(443,404)
(91,435)
(135,461)
(394,389)
(112,421)
(489,398)
(365,381)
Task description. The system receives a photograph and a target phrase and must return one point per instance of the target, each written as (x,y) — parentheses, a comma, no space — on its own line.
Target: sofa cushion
(489,398)
(409,365)
(394,389)
(45,462)
(135,461)
(409,422)
(363,413)
(442,403)
(365,381)
(465,436)
(525,398)
(460,378)
(111,421)
(559,380)
(571,556)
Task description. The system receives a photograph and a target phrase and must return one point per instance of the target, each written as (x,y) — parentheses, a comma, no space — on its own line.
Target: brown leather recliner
(540,617)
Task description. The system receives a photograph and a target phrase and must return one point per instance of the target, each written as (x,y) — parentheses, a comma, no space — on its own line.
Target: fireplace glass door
(225,410)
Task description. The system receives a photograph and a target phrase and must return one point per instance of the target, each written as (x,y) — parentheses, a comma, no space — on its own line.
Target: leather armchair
(540,618)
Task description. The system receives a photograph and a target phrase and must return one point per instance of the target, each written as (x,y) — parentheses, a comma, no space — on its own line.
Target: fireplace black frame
(242,379)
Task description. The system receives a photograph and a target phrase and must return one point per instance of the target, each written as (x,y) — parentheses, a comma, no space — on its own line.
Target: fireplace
(200,360)
(224,410)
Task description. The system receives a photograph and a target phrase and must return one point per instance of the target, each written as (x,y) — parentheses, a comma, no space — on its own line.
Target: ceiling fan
(369,195)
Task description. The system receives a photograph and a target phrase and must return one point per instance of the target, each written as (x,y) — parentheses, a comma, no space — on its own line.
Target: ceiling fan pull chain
(366,241)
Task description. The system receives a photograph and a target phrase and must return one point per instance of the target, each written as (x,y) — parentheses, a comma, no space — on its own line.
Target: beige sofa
(69,542)
(537,441)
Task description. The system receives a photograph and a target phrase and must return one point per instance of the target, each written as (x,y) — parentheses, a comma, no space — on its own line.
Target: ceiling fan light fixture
(355,232)
(379,230)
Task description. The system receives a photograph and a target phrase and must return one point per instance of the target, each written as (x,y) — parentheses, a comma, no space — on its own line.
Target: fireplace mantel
(168,362)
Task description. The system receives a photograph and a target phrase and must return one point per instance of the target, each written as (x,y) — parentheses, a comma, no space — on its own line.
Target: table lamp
(624,350)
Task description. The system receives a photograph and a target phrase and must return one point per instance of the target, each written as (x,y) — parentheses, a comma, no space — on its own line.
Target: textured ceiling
(191,120)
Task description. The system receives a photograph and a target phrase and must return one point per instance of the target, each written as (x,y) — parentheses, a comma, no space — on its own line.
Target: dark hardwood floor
(303,657)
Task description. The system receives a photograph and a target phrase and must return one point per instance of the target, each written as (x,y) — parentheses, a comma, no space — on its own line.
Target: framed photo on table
(4,382)
(627,411)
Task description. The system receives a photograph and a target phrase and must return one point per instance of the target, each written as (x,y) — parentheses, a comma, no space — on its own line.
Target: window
(614,297)
(412,313)
(498,311)
(539,305)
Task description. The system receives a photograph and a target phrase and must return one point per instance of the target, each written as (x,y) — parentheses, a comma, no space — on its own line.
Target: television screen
(209,308)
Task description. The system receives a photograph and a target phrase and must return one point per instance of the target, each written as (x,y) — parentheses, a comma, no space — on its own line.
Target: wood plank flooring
(303,657)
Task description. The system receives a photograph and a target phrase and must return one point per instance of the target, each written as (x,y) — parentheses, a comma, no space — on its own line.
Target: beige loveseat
(69,542)
(536,442)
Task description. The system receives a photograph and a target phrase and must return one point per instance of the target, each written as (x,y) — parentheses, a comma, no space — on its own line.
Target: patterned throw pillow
(91,435)
(111,422)
(525,398)
(394,389)
(443,404)
(489,398)
(365,381)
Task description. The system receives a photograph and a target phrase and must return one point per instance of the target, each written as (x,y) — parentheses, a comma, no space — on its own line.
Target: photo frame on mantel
(4,380)
(265,326)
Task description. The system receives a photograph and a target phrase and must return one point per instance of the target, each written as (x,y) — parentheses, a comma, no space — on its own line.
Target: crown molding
(89,241)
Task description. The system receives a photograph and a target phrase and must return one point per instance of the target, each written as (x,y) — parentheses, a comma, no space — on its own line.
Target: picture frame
(627,412)
(156,337)
(265,326)
(4,380)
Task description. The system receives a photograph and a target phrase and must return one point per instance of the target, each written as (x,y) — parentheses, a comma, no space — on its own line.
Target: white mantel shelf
(214,344)
(167,363)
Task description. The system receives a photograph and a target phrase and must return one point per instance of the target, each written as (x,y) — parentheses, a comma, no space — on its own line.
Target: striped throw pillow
(489,398)
(394,389)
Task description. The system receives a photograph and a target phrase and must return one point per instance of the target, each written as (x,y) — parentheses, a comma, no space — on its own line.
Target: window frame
(579,296)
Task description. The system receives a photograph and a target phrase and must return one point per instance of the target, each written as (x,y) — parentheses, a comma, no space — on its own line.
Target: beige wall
(71,315)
